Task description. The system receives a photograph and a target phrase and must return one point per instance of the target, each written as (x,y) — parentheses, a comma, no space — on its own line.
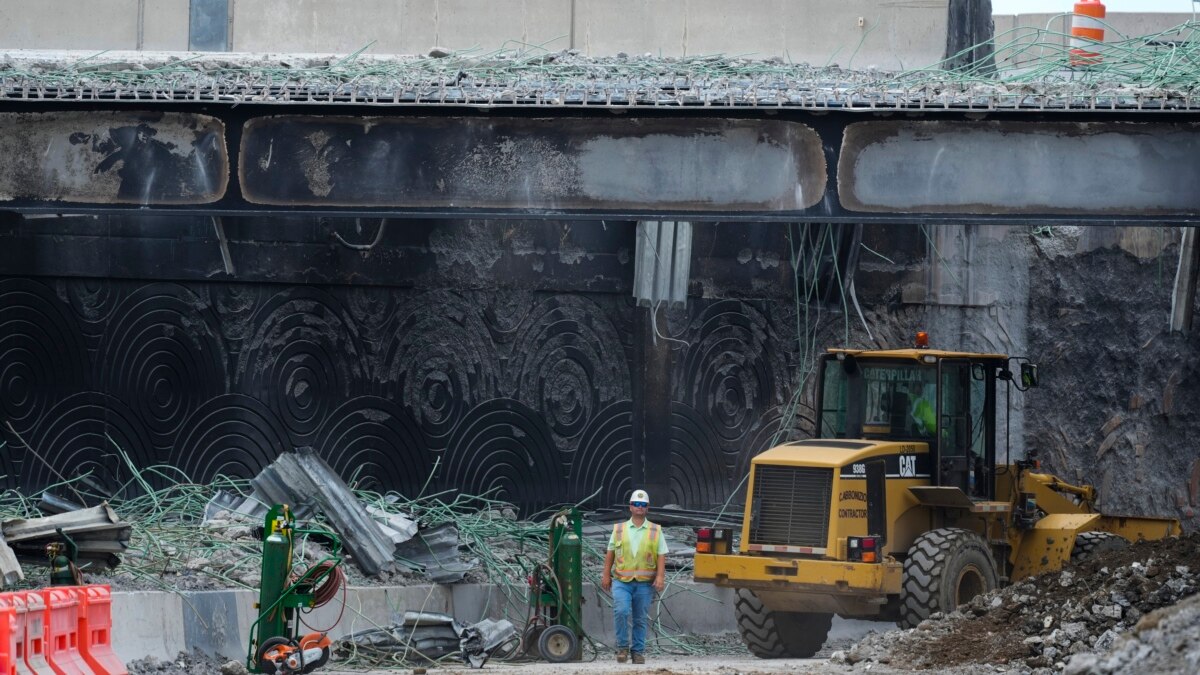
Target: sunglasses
(640,505)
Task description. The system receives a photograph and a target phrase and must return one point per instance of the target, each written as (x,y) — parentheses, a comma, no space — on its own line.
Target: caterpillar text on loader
(898,508)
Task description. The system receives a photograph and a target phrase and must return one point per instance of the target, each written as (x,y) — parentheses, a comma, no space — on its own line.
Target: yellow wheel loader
(898,508)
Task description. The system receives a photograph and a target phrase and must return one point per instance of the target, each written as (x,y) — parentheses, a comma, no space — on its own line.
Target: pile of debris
(96,535)
(304,482)
(428,637)
(189,537)
(1055,621)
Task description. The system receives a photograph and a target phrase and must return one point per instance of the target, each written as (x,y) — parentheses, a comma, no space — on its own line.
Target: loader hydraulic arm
(1049,490)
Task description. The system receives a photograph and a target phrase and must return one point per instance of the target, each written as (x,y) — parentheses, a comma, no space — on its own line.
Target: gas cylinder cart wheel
(531,637)
(272,652)
(945,568)
(558,644)
(776,635)
(1091,544)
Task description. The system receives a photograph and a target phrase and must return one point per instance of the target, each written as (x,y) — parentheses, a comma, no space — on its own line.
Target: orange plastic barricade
(95,630)
(9,652)
(31,622)
(62,632)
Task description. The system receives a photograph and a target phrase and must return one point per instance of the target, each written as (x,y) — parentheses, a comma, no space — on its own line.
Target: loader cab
(944,399)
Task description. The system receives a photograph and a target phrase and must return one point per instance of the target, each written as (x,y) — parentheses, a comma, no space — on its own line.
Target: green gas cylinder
(276,570)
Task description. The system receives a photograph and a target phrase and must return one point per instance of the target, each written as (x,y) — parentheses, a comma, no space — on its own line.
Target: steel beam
(689,165)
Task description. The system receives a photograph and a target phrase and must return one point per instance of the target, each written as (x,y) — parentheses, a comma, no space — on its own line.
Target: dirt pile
(1044,623)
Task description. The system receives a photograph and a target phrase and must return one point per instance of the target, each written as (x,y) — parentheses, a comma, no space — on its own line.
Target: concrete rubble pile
(1067,621)
(188,537)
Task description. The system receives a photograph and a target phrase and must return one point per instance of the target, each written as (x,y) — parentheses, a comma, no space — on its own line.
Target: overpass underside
(758,164)
(447,291)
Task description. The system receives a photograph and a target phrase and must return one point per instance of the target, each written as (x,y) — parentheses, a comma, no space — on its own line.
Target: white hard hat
(639,496)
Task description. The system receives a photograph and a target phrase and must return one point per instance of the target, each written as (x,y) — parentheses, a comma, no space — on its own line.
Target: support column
(1183,297)
(970,24)
(652,406)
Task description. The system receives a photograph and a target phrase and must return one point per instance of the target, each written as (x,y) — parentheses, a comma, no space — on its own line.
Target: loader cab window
(878,400)
(966,426)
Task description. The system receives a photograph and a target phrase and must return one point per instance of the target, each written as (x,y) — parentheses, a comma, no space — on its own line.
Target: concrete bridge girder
(799,167)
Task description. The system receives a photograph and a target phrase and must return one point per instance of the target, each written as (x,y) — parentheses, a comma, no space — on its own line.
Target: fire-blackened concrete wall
(504,352)
(501,353)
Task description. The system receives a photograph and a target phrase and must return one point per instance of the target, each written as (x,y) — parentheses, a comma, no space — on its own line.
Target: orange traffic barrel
(1087,29)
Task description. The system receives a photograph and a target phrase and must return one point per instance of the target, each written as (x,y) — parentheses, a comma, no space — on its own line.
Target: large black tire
(1091,544)
(944,569)
(776,635)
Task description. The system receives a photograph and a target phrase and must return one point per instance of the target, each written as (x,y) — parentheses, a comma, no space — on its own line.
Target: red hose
(327,591)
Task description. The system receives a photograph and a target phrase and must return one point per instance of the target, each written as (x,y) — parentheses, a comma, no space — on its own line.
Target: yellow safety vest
(645,567)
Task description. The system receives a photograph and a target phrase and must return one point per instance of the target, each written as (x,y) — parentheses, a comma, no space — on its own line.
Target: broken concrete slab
(10,569)
(397,527)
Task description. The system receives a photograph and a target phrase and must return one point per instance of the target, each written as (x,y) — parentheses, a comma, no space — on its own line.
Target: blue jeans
(631,599)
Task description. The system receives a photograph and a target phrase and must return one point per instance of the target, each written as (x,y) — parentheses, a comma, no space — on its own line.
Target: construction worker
(924,410)
(639,549)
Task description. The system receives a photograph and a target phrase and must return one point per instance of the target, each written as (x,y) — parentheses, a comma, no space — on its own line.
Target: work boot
(622,655)
(639,658)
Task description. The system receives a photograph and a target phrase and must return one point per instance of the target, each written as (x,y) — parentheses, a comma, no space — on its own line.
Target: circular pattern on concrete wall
(729,372)
(604,460)
(374,444)
(372,308)
(85,434)
(10,471)
(235,305)
(507,311)
(569,364)
(440,362)
(503,450)
(699,478)
(92,301)
(42,356)
(230,435)
(766,436)
(162,354)
(304,358)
